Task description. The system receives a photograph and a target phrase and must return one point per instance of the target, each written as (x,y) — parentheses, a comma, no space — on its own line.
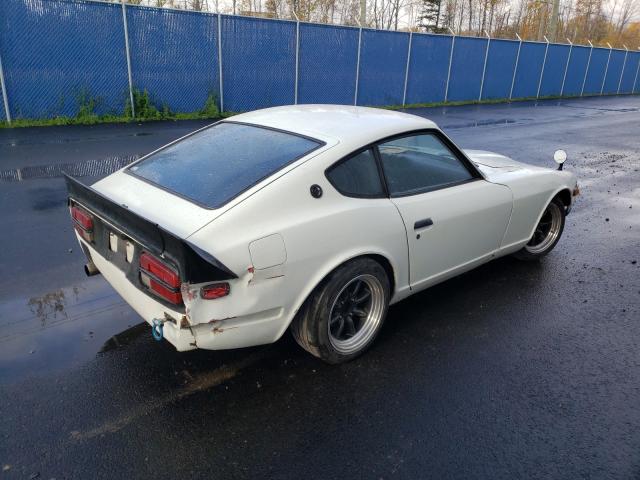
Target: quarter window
(357,176)
(420,163)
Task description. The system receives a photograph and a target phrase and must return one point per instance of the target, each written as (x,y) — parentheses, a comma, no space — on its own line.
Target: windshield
(216,164)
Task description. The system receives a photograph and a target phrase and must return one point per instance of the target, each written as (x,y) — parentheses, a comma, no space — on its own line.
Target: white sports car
(314,217)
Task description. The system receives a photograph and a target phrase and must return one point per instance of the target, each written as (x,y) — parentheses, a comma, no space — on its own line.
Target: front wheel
(345,312)
(547,232)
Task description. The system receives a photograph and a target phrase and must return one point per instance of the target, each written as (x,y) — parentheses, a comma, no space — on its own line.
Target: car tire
(547,232)
(343,315)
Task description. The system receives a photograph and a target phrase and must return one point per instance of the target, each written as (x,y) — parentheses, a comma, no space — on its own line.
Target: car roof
(345,123)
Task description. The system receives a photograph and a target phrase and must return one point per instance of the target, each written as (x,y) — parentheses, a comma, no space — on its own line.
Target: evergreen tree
(430,16)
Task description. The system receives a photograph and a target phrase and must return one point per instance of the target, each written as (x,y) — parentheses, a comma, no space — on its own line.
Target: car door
(454,218)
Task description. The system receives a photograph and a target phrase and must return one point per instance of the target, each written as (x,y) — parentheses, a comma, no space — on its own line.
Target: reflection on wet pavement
(124,338)
(61,328)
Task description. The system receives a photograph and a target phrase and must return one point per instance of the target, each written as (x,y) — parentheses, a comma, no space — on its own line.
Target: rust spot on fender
(221,330)
(188,293)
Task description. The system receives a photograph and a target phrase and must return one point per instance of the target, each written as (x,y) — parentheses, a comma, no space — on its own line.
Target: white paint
(268,252)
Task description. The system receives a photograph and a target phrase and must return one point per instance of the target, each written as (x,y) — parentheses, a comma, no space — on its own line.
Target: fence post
(515,68)
(295,91)
(566,67)
(127,51)
(5,98)
(635,80)
(586,72)
(606,69)
(544,62)
(453,45)
(355,97)
(406,71)
(220,82)
(624,64)
(484,67)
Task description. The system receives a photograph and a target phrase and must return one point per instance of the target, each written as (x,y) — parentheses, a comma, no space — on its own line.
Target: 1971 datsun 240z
(314,218)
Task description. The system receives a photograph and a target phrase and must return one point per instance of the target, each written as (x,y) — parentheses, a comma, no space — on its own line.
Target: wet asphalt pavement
(514,370)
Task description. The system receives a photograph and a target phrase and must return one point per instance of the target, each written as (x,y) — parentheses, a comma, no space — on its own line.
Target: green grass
(97,119)
(147,111)
(489,101)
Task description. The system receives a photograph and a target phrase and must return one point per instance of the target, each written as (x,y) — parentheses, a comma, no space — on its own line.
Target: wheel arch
(557,193)
(379,257)
(564,195)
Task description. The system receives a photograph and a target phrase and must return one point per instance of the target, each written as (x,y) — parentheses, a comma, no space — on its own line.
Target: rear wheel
(344,314)
(547,232)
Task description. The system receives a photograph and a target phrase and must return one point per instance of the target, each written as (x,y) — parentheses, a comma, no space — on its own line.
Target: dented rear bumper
(249,316)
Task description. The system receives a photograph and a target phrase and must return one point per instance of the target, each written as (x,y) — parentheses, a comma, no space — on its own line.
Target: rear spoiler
(195,265)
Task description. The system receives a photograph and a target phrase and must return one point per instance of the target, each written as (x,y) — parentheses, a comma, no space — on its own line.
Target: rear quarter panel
(319,234)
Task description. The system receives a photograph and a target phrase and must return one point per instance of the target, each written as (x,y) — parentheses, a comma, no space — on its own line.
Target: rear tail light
(160,278)
(215,290)
(83,223)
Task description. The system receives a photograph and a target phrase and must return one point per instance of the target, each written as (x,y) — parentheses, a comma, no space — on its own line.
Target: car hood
(493,160)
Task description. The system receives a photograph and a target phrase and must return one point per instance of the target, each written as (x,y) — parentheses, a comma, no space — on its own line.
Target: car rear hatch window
(216,164)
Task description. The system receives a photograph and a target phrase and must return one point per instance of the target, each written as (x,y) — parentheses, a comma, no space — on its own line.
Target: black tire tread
(305,324)
(526,256)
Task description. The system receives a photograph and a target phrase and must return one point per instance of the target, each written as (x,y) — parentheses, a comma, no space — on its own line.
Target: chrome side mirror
(560,156)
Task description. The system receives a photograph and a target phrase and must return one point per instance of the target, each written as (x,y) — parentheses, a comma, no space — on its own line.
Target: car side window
(420,163)
(357,176)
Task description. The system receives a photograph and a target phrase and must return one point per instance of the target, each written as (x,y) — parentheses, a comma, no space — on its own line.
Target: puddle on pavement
(479,123)
(62,328)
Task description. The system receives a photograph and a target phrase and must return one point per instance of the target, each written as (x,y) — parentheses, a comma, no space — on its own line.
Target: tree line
(613,22)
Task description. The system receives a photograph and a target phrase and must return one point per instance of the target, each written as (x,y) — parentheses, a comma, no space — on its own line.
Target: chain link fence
(74,57)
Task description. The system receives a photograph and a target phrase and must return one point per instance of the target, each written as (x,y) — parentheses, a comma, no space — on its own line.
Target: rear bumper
(143,304)
(258,322)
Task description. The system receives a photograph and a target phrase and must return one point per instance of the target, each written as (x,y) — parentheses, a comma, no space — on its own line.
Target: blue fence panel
(165,45)
(57,55)
(595,75)
(383,61)
(499,72)
(557,57)
(428,68)
(576,71)
(614,71)
(529,69)
(327,64)
(466,68)
(64,56)
(258,63)
(630,72)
